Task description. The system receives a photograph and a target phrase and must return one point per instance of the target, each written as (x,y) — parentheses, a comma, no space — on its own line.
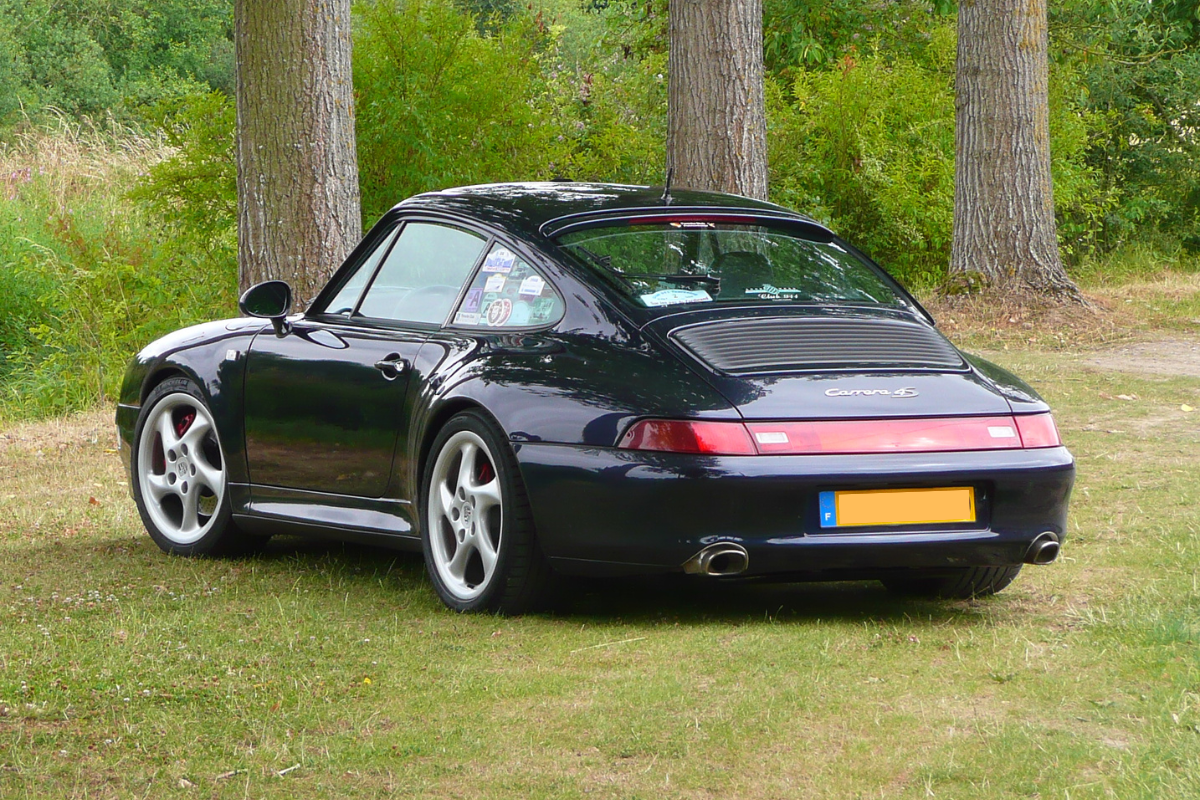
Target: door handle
(392,366)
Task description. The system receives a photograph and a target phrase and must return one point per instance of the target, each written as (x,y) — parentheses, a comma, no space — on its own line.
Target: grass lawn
(318,670)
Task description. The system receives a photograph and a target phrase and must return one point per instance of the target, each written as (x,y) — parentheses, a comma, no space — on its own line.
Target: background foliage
(118,175)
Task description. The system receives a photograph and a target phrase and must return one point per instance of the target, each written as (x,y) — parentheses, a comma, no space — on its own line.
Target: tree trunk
(716,117)
(1004,222)
(298,195)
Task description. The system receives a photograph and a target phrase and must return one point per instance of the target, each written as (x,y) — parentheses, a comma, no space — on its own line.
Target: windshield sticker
(499,260)
(767,291)
(670,297)
(499,311)
(466,318)
(471,304)
(532,286)
(495,283)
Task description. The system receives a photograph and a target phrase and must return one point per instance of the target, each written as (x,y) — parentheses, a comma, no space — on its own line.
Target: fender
(213,355)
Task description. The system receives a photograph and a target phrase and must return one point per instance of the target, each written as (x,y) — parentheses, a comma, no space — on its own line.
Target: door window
(347,297)
(422,275)
(508,293)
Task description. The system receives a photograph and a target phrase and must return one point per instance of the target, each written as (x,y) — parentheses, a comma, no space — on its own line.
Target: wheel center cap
(182,465)
(468,510)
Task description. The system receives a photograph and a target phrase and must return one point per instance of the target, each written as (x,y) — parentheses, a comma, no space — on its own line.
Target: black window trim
(401,221)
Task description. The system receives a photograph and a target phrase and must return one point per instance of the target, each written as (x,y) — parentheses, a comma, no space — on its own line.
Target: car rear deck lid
(795,344)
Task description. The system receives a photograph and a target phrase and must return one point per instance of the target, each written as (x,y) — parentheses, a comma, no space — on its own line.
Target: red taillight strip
(684,436)
(928,435)
(887,435)
(1038,430)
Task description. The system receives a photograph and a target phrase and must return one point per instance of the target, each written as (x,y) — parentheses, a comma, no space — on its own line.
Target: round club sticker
(499,311)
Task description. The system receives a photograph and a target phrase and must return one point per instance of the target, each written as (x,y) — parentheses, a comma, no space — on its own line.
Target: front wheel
(954,584)
(480,547)
(179,475)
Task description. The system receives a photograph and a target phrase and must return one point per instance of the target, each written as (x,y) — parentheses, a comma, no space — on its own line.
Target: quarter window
(508,293)
(422,275)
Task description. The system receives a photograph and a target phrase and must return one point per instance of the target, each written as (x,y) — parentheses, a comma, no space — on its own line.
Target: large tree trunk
(1003,199)
(298,195)
(716,118)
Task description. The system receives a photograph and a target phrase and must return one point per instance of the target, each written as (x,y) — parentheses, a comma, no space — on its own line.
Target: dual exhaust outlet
(720,559)
(729,558)
(1044,549)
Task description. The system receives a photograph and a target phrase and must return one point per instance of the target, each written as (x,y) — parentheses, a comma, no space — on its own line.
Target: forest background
(118,176)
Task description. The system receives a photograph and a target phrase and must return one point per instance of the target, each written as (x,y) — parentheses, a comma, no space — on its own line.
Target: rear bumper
(608,511)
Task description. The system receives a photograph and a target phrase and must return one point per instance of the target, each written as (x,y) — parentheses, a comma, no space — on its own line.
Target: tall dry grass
(88,274)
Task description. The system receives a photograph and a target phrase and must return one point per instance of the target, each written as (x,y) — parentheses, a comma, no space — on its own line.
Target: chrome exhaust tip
(1044,550)
(723,558)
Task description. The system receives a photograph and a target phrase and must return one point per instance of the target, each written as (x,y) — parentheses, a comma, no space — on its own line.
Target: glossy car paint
(310,427)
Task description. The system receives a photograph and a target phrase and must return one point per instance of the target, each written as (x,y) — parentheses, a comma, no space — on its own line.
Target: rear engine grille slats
(797,344)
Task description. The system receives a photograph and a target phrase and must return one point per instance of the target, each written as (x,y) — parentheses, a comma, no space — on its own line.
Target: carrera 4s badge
(907,391)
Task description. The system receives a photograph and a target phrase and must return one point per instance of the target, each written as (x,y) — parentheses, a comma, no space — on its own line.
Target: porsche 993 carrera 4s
(526,381)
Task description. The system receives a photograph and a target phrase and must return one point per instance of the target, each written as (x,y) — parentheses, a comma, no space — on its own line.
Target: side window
(508,293)
(343,302)
(421,276)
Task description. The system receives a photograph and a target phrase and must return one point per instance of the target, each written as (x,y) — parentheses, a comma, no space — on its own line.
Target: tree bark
(1004,223)
(298,195)
(716,116)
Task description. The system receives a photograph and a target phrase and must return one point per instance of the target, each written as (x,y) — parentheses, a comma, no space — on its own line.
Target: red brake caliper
(185,422)
(485,472)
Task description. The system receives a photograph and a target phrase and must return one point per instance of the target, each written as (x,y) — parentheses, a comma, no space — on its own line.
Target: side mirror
(268,300)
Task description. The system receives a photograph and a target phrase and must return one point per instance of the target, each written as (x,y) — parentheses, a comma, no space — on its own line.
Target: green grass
(127,673)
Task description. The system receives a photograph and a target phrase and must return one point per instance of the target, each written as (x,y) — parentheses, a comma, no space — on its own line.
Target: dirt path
(1177,357)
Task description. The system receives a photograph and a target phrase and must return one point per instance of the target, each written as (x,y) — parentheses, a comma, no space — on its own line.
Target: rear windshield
(709,262)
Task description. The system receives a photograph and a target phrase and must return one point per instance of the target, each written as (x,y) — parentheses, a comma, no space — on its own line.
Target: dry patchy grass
(1149,308)
(127,673)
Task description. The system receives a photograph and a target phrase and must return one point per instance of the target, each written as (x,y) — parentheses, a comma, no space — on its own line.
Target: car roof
(536,210)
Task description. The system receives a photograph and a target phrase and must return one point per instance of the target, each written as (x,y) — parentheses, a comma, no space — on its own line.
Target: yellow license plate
(897,507)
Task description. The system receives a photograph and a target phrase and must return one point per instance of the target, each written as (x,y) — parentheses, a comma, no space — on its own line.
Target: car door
(326,401)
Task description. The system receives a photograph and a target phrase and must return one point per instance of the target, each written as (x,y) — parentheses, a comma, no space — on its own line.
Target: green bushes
(110,56)
(110,237)
(87,274)
(441,103)
(868,146)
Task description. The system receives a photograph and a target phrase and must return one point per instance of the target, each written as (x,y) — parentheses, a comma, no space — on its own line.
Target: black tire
(215,532)
(953,584)
(521,577)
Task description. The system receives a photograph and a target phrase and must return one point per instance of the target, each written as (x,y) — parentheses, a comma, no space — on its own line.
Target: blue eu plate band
(828,510)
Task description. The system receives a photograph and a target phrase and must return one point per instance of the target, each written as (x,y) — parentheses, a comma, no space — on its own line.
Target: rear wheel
(477,533)
(958,584)
(179,476)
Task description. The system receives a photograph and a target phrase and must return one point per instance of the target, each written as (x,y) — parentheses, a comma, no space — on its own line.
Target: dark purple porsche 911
(524,380)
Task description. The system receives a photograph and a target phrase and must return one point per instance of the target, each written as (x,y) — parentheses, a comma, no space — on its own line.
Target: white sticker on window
(670,297)
(501,259)
(495,283)
(466,318)
(532,286)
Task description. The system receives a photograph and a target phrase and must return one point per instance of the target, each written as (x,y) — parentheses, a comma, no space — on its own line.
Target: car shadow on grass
(675,598)
(654,600)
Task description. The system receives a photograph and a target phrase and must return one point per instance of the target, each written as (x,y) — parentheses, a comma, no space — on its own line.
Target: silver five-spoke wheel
(181,470)
(466,514)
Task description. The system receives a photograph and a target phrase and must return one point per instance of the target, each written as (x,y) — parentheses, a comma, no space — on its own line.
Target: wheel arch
(437,420)
(163,373)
